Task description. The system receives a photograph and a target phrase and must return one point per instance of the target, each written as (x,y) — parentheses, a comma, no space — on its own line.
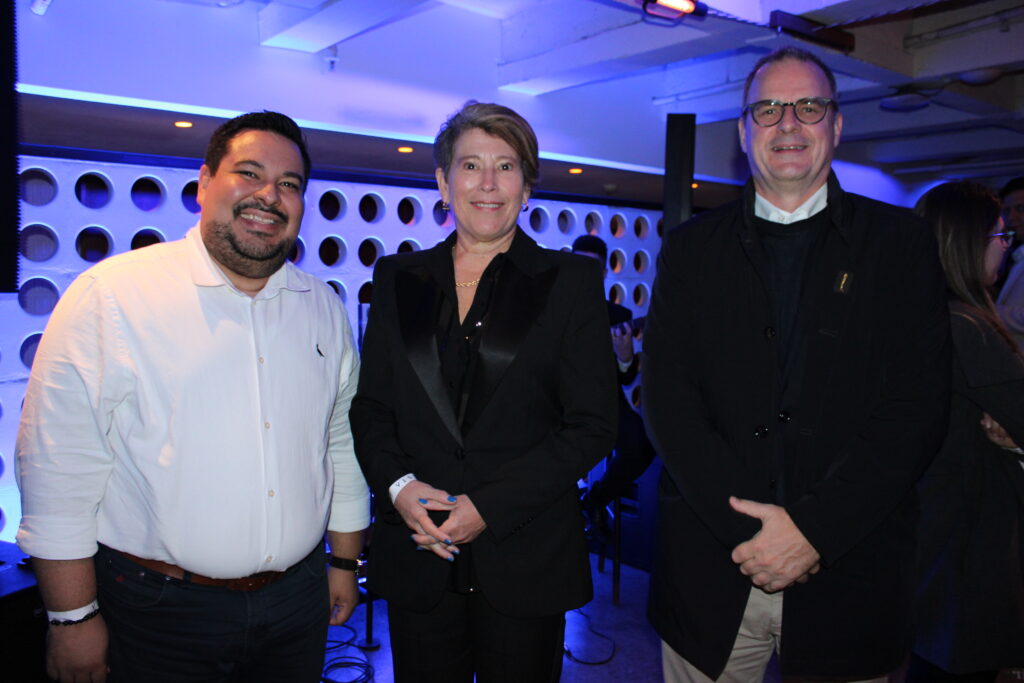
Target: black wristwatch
(345,563)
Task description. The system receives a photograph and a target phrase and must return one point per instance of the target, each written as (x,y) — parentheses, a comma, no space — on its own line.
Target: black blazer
(970,594)
(543,413)
(862,426)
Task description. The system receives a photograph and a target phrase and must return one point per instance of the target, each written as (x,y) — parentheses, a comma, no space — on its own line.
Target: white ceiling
(596,77)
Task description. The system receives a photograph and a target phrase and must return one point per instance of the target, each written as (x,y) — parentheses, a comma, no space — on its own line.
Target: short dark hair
(496,120)
(963,214)
(592,244)
(1012,186)
(261,120)
(800,55)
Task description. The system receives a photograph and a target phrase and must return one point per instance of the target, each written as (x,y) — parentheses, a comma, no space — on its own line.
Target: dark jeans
(165,630)
(464,635)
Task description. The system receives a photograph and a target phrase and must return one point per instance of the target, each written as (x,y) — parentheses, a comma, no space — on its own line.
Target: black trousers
(463,635)
(163,630)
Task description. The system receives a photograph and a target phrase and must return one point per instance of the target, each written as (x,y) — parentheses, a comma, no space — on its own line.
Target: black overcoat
(866,420)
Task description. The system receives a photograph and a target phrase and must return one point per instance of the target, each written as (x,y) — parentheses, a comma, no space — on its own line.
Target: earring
(445,206)
(526,206)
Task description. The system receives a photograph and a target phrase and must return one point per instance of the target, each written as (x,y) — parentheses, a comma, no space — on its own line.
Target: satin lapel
(417,297)
(517,302)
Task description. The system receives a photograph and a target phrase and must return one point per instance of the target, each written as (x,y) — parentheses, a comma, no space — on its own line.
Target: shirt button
(784,417)
(270,493)
(269,558)
(261,360)
(267,425)
(760,432)
(769,332)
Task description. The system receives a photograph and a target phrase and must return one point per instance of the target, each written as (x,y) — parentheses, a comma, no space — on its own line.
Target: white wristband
(400,484)
(73,614)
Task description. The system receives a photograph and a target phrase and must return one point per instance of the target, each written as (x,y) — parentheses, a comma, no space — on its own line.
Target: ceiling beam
(282,24)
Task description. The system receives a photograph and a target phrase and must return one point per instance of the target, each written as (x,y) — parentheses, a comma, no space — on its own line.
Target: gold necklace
(471,283)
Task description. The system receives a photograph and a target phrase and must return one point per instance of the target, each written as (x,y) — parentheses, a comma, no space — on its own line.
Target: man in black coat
(796,387)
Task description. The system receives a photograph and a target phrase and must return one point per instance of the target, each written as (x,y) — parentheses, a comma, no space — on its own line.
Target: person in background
(633,450)
(1010,303)
(487,391)
(184,443)
(795,387)
(970,574)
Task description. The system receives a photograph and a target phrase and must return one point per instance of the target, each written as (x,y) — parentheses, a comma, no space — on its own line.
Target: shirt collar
(206,273)
(769,212)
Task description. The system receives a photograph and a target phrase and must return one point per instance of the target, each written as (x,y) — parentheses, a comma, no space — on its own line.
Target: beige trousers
(759,636)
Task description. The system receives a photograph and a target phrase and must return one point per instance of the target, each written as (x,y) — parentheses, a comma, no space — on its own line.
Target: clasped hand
(779,555)
(464,524)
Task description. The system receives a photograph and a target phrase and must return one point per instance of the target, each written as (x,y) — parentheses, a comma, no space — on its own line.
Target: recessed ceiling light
(575,171)
(694,185)
(182,124)
(405,150)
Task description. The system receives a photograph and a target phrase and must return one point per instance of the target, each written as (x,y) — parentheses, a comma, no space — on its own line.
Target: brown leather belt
(245,583)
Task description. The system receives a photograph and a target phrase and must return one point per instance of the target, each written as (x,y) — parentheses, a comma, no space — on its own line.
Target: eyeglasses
(1006,237)
(809,110)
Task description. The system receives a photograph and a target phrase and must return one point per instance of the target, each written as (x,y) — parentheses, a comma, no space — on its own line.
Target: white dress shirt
(173,417)
(769,212)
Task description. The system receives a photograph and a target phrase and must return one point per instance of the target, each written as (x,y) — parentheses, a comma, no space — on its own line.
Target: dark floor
(599,631)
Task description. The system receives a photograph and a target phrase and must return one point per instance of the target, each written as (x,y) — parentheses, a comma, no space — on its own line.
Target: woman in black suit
(970,597)
(487,390)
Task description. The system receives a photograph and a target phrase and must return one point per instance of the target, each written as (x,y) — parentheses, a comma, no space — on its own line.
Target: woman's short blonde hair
(496,120)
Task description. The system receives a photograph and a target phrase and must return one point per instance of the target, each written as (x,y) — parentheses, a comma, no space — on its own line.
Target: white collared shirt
(769,212)
(173,417)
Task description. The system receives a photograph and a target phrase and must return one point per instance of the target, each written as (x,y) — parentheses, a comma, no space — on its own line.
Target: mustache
(260,207)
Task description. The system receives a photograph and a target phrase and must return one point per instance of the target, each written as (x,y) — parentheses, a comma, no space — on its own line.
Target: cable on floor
(574,658)
(358,666)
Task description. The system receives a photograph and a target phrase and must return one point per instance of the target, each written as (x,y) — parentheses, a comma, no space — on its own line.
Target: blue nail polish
(423,501)
(451,559)
(453,550)
(447,541)
(451,499)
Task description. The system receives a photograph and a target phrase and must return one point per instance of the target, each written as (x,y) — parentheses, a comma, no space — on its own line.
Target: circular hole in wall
(371,208)
(408,245)
(616,294)
(92,190)
(28,348)
(441,215)
(366,293)
(566,221)
(38,187)
(616,260)
(332,251)
(332,205)
(298,251)
(618,226)
(38,296)
(93,244)
(409,210)
(188,196)
(592,222)
(641,261)
(641,227)
(146,237)
(370,250)
(640,295)
(37,242)
(147,193)
(339,289)
(539,219)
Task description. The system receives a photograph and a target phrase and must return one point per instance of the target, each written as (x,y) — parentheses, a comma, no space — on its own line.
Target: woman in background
(970,595)
(487,390)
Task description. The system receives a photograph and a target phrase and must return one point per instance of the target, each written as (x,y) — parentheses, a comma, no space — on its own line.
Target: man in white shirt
(796,387)
(185,443)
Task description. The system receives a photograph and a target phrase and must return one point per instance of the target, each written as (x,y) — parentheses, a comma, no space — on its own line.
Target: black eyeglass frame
(828,102)
(1006,236)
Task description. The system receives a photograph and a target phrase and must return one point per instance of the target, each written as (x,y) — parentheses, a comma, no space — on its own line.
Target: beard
(255,259)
